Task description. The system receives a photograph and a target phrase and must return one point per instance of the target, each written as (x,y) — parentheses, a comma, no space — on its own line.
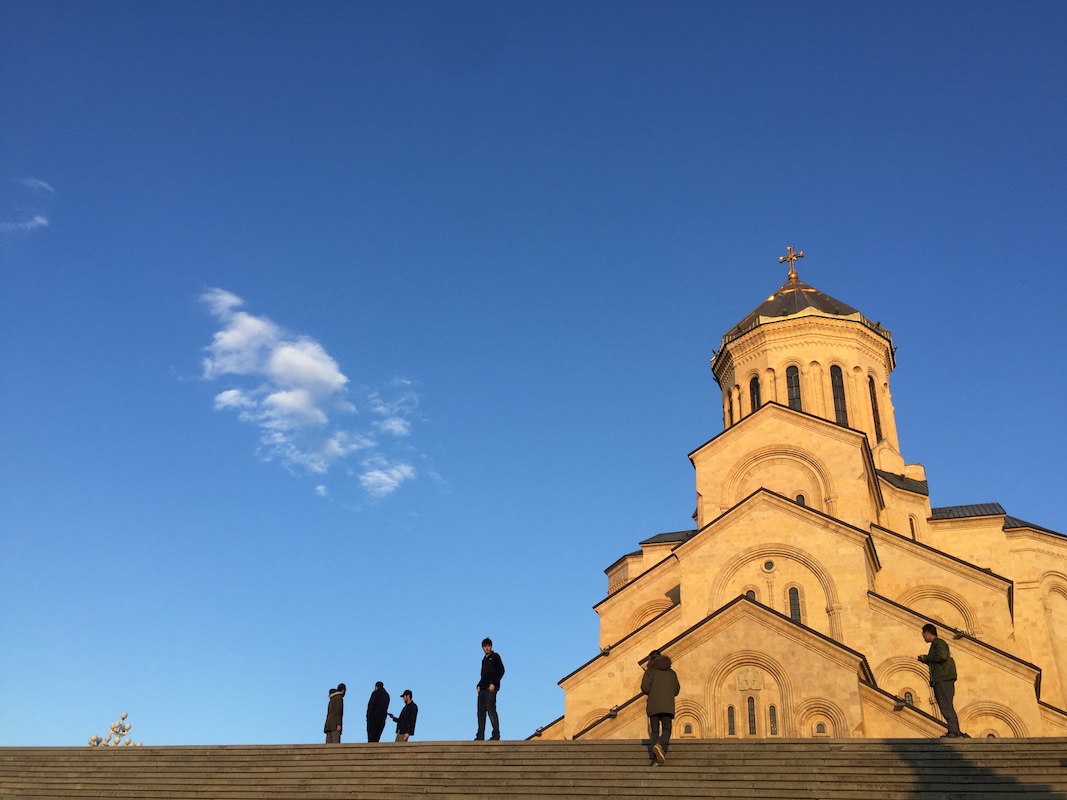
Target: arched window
(911,524)
(909,699)
(753,392)
(774,721)
(802,500)
(687,729)
(837,384)
(820,729)
(752,716)
(874,410)
(792,383)
(731,724)
(794,604)
(751,594)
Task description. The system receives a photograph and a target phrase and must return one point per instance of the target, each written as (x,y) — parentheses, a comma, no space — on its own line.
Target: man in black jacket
(405,723)
(488,686)
(377,711)
(335,711)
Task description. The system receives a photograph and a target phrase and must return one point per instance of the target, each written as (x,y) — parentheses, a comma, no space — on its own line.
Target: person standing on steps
(487,688)
(942,679)
(660,683)
(335,711)
(405,723)
(377,711)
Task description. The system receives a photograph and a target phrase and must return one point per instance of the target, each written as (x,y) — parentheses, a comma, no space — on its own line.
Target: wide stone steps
(826,769)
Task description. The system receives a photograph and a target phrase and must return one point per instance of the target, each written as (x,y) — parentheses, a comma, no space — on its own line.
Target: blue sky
(337,336)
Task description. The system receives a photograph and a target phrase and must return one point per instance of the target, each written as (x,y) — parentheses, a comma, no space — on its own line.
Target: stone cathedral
(794,607)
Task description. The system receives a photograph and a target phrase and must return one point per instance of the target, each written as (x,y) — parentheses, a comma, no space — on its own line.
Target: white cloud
(321,490)
(382,479)
(30,225)
(295,393)
(394,425)
(37,186)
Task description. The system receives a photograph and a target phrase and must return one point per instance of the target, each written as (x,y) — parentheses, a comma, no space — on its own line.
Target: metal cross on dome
(791,257)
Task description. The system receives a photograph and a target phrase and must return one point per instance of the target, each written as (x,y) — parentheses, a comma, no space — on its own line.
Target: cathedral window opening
(752,716)
(751,594)
(773,715)
(837,384)
(731,723)
(768,566)
(874,410)
(792,383)
(820,729)
(802,500)
(911,524)
(909,699)
(753,393)
(794,604)
(687,730)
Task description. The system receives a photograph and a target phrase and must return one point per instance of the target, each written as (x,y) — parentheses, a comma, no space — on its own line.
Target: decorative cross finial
(791,257)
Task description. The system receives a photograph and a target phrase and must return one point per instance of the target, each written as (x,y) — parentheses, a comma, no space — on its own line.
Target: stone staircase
(824,769)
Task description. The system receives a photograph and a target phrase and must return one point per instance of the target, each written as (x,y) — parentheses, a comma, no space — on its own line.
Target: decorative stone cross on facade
(791,257)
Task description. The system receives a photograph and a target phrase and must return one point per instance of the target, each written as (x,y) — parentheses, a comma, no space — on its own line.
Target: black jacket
(492,670)
(378,705)
(405,723)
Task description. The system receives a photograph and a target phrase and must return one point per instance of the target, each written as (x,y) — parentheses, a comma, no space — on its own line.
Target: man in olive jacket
(335,712)
(661,685)
(942,679)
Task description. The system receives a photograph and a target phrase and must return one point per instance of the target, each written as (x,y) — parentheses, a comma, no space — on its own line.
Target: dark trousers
(333,737)
(944,692)
(487,705)
(375,726)
(659,730)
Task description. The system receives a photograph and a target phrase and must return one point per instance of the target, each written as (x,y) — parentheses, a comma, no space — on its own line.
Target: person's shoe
(965,736)
(479,738)
(950,736)
(657,751)
(495,738)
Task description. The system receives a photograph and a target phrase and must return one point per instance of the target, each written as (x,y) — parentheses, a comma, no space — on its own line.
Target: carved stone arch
(593,716)
(715,688)
(957,601)
(647,612)
(971,717)
(771,550)
(820,488)
(689,710)
(1053,582)
(809,710)
(895,669)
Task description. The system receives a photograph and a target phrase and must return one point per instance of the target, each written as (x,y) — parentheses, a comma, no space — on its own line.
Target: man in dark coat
(661,685)
(942,679)
(377,711)
(335,711)
(405,723)
(488,686)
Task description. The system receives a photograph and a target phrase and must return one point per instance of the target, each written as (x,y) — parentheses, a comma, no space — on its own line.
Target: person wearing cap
(405,723)
(488,686)
(335,711)
(377,711)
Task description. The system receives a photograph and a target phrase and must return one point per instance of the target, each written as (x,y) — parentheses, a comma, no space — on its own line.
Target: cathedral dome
(796,298)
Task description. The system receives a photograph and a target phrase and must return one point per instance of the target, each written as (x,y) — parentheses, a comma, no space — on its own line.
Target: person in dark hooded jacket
(335,712)
(660,683)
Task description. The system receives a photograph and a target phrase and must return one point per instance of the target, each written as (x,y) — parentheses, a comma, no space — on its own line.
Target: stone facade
(794,608)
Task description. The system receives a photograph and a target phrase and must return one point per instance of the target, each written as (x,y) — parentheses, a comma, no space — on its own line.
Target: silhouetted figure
(377,711)
(488,686)
(335,712)
(405,723)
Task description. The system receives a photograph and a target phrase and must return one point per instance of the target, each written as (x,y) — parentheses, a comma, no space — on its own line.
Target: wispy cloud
(295,393)
(26,220)
(37,185)
(38,221)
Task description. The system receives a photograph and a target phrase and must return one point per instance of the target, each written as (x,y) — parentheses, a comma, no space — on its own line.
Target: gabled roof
(963,512)
(907,484)
(1014,522)
(674,536)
